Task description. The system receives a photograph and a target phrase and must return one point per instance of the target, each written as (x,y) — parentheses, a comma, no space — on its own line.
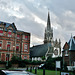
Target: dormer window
(1,31)
(9,32)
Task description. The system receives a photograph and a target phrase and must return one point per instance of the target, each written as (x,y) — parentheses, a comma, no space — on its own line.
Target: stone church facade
(48,38)
(49,48)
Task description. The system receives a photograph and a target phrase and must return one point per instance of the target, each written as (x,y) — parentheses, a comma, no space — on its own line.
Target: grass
(47,72)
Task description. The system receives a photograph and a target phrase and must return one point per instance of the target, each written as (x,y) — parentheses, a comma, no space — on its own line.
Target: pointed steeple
(48,22)
(48,36)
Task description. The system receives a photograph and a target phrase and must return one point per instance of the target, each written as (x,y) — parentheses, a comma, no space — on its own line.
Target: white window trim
(19,46)
(7,44)
(25,50)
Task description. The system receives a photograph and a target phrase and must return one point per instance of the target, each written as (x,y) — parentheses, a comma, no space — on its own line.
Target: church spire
(48,22)
(48,36)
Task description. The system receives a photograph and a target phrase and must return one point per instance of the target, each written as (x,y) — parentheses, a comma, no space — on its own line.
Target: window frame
(8,43)
(66,52)
(26,37)
(10,35)
(1,44)
(25,57)
(18,46)
(1,28)
(25,47)
(18,37)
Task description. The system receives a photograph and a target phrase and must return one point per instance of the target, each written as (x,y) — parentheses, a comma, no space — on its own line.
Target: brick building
(13,42)
(69,52)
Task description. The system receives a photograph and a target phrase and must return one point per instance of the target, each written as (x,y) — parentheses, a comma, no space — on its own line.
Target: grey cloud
(37,7)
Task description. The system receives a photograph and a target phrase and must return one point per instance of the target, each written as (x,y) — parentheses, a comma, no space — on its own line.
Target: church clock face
(55,52)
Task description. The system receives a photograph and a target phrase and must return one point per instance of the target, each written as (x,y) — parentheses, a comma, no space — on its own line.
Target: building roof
(9,24)
(22,31)
(39,50)
(71,43)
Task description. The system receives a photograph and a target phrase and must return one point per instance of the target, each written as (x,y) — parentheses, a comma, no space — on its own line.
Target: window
(17,47)
(8,45)
(56,52)
(25,47)
(66,52)
(25,57)
(0,44)
(1,31)
(7,57)
(9,32)
(26,37)
(18,36)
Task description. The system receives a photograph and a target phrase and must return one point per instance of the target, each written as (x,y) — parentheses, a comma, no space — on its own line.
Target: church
(49,47)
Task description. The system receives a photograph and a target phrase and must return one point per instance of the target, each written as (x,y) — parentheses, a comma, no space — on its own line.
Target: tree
(50,63)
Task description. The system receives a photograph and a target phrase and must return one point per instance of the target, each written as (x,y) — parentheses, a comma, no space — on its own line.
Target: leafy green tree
(50,63)
(43,57)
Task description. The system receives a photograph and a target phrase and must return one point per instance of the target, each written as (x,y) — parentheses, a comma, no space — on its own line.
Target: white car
(15,72)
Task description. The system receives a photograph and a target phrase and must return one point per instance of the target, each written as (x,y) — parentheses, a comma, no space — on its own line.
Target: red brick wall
(21,41)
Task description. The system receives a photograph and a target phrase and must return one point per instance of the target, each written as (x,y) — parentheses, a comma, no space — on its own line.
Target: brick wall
(13,39)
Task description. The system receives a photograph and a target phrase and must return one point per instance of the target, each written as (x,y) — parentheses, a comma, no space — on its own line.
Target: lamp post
(7,57)
(13,50)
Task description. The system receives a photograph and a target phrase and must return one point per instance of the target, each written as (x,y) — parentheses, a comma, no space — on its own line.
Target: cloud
(31,16)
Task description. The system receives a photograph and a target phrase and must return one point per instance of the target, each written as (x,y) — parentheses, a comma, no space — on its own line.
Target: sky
(31,16)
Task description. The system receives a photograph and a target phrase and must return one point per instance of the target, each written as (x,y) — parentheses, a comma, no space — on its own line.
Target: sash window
(1,31)
(9,32)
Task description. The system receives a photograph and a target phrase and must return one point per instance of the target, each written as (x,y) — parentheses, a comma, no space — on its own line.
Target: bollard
(35,70)
(44,71)
(30,69)
(27,68)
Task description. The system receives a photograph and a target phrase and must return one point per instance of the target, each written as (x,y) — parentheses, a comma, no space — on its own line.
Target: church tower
(48,36)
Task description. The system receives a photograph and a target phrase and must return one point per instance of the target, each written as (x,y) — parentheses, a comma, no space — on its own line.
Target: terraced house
(13,42)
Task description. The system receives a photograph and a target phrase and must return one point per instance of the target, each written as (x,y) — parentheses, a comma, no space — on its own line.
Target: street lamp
(13,50)
(7,57)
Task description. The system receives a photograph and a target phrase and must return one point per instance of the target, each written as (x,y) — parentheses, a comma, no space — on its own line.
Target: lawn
(47,72)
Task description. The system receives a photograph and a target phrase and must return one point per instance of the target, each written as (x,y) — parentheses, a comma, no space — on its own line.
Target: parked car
(14,72)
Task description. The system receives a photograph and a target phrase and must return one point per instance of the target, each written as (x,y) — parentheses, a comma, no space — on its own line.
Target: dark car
(14,72)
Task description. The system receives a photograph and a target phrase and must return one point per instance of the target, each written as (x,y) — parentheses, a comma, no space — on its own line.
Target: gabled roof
(66,46)
(39,50)
(71,43)
(9,24)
